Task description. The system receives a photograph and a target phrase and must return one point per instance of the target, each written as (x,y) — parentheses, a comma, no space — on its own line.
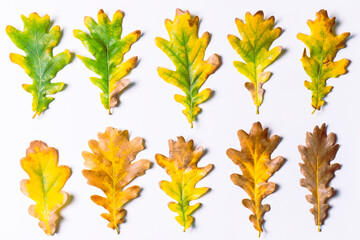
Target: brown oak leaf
(257,167)
(319,151)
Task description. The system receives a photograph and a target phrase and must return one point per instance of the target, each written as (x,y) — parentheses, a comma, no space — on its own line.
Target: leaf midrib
(255,64)
(188,66)
(40,71)
(115,182)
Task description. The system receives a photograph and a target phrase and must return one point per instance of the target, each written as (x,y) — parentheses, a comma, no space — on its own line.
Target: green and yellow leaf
(318,171)
(323,44)
(111,169)
(181,166)
(257,167)
(108,48)
(46,179)
(37,40)
(257,35)
(186,50)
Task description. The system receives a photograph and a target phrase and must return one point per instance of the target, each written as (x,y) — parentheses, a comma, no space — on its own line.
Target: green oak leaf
(105,43)
(37,40)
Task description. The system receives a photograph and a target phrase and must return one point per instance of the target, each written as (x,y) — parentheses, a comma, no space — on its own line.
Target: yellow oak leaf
(186,50)
(111,169)
(323,44)
(45,184)
(257,35)
(181,166)
(318,171)
(257,167)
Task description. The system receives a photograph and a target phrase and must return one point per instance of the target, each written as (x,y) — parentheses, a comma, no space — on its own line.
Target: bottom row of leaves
(111,169)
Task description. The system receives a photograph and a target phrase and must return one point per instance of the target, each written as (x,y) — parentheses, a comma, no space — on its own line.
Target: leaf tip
(137,33)
(101,11)
(260,13)
(180,12)
(9,29)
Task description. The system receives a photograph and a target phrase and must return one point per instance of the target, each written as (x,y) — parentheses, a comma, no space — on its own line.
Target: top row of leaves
(185,49)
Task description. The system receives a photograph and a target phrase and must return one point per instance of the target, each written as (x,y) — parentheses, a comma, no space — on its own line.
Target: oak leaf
(319,151)
(257,167)
(186,50)
(46,179)
(257,35)
(108,48)
(37,40)
(181,166)
(111,169)
(323,44)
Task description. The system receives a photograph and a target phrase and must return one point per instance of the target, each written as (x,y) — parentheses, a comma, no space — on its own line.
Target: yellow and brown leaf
(257,35)
(181,166)
(257,167)
(186,50)
(46,179)
(318,171)
(111,169)
(323,44)
(108,48)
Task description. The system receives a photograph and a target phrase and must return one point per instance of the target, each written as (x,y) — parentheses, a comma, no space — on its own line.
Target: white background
(148,110)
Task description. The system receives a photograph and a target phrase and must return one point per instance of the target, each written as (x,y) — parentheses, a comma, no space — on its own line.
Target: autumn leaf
(181,166)
(257,167)
(187,51)
(257,35)
(111,169)
(45,184)
(323,44)
(108,48)
(37,40)
(319,151)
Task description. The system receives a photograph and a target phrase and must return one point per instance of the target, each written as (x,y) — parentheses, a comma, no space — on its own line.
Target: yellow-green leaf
(186,50)
(257,167)
(108,48)
(323,44)
(45,184)
(181,166)
(257,35)
(37,40)
(111,170)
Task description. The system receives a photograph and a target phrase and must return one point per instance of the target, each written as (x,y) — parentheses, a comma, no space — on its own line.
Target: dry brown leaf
(257,167)
(319,151)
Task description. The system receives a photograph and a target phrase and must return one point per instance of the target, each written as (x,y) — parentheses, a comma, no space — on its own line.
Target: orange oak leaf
(111,169)
(319,151)
(257,167)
